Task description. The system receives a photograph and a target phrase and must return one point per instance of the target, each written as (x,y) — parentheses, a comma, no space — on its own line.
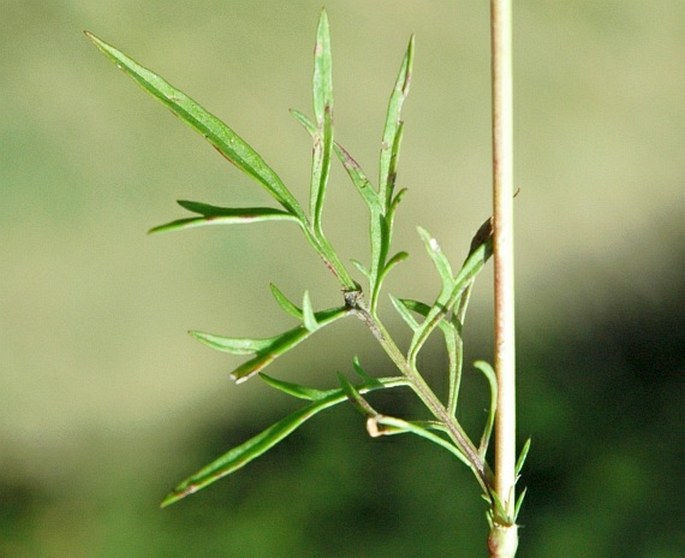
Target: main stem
(503,539)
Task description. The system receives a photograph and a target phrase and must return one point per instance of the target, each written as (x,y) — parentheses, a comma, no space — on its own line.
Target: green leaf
(241,455)
(363,374)
(519,503)
(323,73)
(416,428)
(442,265)
(481,250)
(283,343)
(392,126)
(404,312)
(304,121)
(360,266)
(223,138)
(285,303)
(296,390)
(357,400)
(522,457)
(391,263)
(226,216)
(308,314)
(235,345)
(490,375)
(359,179)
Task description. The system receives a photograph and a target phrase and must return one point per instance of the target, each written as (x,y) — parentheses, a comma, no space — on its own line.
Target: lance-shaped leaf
(269,349)
(223,138)
(241,455)
(295,390)
(356,398)
(363,374)
(213,215)
(308,315)
(392,130)
(489,374)
(442,265)
(322,89)
(522,457)
(285,303)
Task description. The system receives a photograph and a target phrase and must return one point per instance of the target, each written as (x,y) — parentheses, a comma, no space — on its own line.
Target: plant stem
(503,538)
(425,393)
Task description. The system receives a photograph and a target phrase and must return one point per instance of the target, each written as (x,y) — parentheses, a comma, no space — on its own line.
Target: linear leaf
(285,303)
(235,345)
(356,398)
(359,179)
(241,455)
(419,430)
(489,374)
(363,374)
(442,265)
(223,138)
(284,343)
(522,457)
(392,124)
(308,316)
(404,312)
(296,390)
(228,216)
(391,263)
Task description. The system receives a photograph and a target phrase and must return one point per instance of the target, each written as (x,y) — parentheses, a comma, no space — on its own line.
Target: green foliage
(446,311)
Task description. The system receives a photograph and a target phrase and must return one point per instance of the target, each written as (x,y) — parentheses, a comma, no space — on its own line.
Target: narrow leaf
(419,430)
(308,314)
(234,345)
(365,272)
(392,124)
(304,121)
(359,179)
(357,400)
(442,265)
(296,390)
(223,138)
(519,503)
(404,312)
(284,343)
(241,455)
(363,374)
(285,303)
(522,457)
(391,263)
(322,88)
(489,374)
(481,250)
(228,216)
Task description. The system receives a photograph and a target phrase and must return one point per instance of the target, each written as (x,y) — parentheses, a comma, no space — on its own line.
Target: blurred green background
(106,403)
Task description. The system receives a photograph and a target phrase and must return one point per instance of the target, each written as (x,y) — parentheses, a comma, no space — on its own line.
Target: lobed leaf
(223,138)
(241,455)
